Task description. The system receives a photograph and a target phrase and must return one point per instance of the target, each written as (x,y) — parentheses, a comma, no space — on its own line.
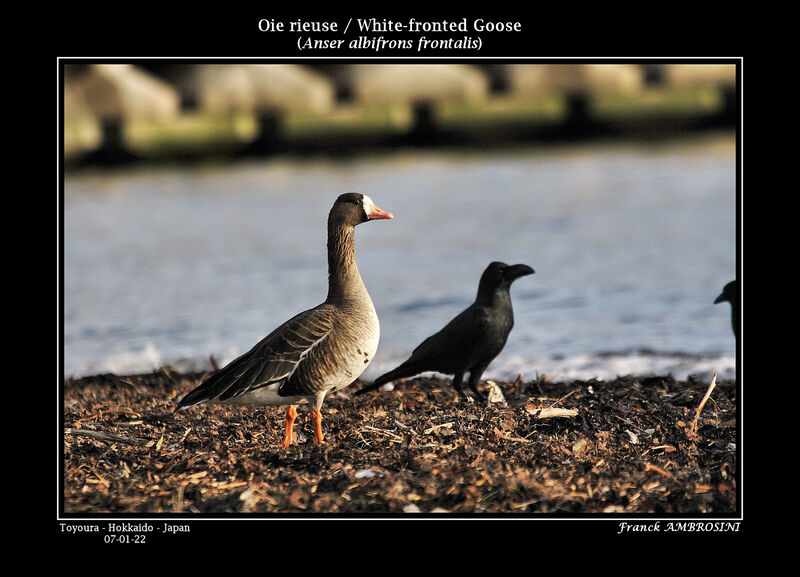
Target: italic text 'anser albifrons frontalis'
(320,350)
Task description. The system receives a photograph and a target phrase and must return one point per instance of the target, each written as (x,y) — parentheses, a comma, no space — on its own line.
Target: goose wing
(274,358)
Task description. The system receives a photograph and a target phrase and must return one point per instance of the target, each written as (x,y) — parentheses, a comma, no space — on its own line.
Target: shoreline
(620,446)
(605,365)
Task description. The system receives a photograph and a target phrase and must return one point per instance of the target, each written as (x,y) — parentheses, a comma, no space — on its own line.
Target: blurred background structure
(118,113)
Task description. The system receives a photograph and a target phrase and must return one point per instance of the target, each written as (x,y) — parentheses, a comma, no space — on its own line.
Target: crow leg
(457,383)
(474,379)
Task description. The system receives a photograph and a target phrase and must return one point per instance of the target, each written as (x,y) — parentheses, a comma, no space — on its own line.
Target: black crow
(469,342)
(730,293)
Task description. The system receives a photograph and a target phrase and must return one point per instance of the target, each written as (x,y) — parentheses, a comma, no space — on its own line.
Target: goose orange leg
(291,415)
(317,416)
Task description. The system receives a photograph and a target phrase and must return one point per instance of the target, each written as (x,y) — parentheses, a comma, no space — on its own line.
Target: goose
(470,341)
(316,352)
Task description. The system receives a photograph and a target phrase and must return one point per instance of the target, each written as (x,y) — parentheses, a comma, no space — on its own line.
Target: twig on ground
(406,428)
(100,415)
(693,424)
(167,373)
(100,477)
(562,398)
(549,412)
(108,438)
(659,470)
(437,427)
(509,437)
(382,432)
(185,434)
(552,411)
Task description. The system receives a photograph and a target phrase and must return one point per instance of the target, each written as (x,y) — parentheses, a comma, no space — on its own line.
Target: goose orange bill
(375,213)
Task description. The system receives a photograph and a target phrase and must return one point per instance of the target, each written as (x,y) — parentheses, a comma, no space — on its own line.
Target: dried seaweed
(629,445)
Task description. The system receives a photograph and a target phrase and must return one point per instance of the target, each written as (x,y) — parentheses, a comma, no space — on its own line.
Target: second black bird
(730,293)
(472,340)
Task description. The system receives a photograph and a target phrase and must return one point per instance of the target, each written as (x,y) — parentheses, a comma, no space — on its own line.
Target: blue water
(631,244)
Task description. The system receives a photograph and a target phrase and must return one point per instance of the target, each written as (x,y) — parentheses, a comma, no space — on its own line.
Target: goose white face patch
(368,204)
(373,212)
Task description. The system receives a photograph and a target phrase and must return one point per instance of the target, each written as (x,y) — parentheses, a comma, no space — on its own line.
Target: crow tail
(404,370)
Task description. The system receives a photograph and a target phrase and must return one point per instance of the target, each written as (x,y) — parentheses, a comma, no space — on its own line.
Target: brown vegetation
(566,448)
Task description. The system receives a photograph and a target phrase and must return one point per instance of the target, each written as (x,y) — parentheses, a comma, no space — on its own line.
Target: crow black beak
(518,270)
(721,298)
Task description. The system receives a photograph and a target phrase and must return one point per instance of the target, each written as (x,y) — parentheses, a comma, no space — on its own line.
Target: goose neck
(344,280)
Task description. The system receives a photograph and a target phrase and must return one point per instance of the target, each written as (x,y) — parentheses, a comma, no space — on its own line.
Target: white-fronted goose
(320,350)
(470,341)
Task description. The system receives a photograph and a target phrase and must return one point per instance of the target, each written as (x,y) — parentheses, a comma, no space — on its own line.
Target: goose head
(353,208)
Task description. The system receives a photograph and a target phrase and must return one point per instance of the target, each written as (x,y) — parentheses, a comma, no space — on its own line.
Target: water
(630,243)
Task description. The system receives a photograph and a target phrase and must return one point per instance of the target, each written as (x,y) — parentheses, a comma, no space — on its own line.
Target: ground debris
(577,447)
